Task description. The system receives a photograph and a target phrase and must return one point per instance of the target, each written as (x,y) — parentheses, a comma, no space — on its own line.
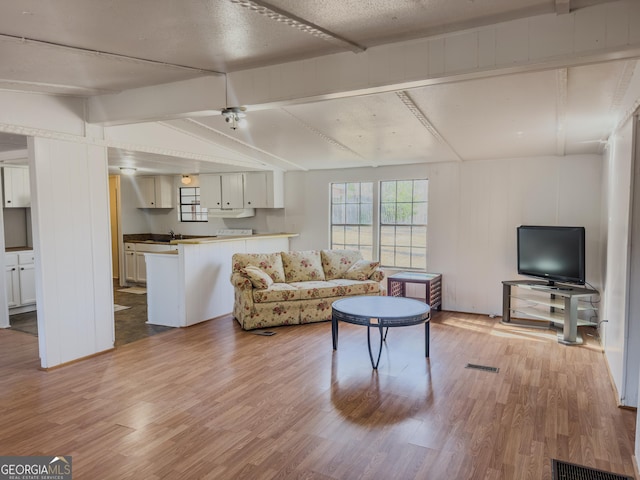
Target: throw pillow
(302,266)
(337,262)
(267,262)
(258,278)
(361,270)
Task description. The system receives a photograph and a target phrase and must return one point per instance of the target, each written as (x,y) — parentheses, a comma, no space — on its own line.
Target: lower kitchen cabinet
(20,281)
(134,262)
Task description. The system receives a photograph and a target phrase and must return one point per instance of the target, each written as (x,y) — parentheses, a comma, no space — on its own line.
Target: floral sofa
(290,288)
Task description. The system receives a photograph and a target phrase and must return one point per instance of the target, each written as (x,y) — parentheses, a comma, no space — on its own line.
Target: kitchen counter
(18,249)
(192,285)
(231,238)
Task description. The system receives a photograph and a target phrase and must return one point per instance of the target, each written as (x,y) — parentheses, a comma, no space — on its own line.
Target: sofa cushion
(271,263)
(336,262)
(277,292)
(259,278)
(334,288)
(302,266)
(361,270)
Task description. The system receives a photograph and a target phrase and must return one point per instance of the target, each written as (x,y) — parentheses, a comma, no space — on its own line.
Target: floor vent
(483,367)
(570,471)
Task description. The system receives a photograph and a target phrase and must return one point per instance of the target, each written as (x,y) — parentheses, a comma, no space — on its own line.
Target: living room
(477,197)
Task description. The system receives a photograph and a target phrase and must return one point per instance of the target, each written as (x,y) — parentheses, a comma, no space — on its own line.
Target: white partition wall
(70,207)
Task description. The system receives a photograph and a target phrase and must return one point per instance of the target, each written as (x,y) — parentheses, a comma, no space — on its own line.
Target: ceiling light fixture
(185,180)
(235,117)
(127,170)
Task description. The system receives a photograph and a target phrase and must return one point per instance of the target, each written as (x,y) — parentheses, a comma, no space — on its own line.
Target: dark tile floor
(130,324)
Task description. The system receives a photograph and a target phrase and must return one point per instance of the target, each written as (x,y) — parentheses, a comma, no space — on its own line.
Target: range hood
(231,212)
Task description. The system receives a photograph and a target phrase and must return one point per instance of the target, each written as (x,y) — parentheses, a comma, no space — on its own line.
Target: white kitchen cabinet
(12,282)
(224,191)
(130,262)
(263,190)
(156,192)
(15,182)
(134,261)
(20,281)
(27,276)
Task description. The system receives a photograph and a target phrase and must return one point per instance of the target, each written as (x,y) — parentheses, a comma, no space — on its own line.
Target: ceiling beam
(186,98)
(563,7)
(518,46)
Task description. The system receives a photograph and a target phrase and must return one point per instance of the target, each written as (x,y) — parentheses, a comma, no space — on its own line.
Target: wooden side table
(396,286)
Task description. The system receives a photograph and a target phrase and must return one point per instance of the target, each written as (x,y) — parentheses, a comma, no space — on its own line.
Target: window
(394,232)
(190,209)
(403,223)
(352,217)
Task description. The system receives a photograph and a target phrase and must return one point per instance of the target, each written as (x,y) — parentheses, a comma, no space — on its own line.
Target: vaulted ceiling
(102,48)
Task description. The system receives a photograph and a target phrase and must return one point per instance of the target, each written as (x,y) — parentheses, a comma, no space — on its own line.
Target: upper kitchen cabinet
(16,189)
(155,192)
(222,191)
(263,190)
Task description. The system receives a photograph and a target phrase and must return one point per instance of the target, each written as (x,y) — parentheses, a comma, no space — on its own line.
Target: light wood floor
(212,401)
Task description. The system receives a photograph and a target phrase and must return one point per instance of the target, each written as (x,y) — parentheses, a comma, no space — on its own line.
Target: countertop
(195,240)
(17,249)
(230,238)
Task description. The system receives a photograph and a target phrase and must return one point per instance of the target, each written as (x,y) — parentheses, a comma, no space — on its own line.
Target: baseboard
(71,362)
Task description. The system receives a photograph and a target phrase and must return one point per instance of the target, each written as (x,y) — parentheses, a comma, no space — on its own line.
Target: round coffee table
(381,312)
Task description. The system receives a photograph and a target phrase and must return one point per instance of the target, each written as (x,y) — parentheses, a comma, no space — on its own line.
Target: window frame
(377,224)
(199,212)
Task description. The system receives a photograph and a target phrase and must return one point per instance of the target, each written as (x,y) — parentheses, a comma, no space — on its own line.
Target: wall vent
(571,471)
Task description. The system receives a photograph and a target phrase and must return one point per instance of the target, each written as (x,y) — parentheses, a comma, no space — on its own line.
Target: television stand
(538,304)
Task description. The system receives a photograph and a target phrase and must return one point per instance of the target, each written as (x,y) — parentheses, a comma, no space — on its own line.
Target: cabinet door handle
(8,201)
(21,268)
(13,269)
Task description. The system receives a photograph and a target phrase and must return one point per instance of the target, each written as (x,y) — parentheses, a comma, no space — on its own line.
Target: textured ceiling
(87,48)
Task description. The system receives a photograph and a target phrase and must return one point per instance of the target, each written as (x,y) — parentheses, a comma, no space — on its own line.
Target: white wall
(474,209)
(160,221)
(617,196)
(70,207)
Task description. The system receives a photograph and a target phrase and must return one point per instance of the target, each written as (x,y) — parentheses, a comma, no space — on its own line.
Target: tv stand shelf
(557,305)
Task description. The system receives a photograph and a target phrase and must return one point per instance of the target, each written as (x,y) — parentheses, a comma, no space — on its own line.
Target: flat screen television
(552,253)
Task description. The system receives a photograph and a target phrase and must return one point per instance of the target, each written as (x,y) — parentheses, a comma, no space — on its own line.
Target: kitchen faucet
(172,234)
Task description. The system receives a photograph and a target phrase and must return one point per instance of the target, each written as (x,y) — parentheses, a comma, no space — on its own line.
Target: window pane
(366,213)
(388,191)
(337,193)
(420,213)
(353,211)
(338,214)
(388,213)
(337,235)
(420,191)
(366,192)
(366,236)
(418,258)
(351,235)
(419,237)
(404,191)
(403,257)
(405,213)
(387,236)
(353,192)
(403,236)
(387,257)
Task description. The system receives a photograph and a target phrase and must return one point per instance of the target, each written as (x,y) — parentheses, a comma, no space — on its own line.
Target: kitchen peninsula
(191,284)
